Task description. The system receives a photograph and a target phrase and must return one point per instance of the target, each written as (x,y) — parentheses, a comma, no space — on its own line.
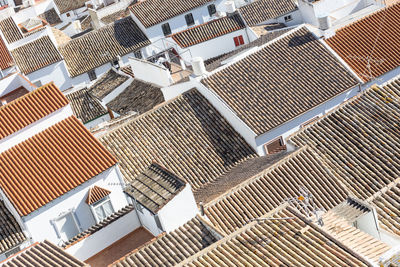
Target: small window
(102,209)
(138,54)
(275,146)
(189,19)
(68,14)
(288,18)
(92,75)
(115,64)
(238,40)
(211,10)
(158,222)
(166,29)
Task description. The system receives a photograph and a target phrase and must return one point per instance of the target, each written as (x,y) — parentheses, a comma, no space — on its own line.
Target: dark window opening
(288,18)
(166,29)
(211,10)
(189,19)
(138,54)
(92,75)
(275,146)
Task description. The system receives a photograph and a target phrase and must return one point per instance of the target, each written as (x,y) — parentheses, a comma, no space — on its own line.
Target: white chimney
(25,3)
(31,2)
(230,6)
(324,23)
(198,66)
(77,26)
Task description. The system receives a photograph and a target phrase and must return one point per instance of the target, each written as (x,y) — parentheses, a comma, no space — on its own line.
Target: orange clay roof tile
(30,108)
(374,39)
(51,163)
(6,60)
(96,193)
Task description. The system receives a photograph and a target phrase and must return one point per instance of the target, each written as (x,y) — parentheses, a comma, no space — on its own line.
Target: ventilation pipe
(199,68)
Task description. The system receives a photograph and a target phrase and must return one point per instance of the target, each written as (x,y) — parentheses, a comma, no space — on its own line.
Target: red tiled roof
(6,60)
(51,163)
(30,108)
(375,37)
(96,193)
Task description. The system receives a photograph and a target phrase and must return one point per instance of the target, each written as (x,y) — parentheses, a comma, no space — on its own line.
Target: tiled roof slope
(281,81)
(288,241)
(263,10)
(11,233)
(44,254)
(10,30)
(6,60)
(51,16)
(387,206)
(266,191)
(208,30)
(97,227)
(375,37)
(99,47)
(107,83)
(155,187)
(65,6)
(85,106)
(139,97)
(172,248)
(186,135)
(359,241)
(35,55)
(145,10)
(29,108)
(51,163)
(359,140)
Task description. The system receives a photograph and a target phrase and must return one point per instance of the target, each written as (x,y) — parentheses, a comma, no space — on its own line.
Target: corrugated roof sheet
(29,108)
(209,30)
(51,163)
(102,46)
(374,39)
(281,81)
(35,55)
(262,10)
(152,12)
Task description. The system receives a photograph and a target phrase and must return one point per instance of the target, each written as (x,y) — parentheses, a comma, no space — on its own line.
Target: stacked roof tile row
(172,248)
(283,80)
(11,234)
(271,188)
(187,136)
(10,30)
(289,240)
(208,31)
(51,163)
(144,10)
(30,108)
(85,106)
(102,46)
(44,254)
(371,45)
(96,193)
(6,60)
(263,10)
(70,5)
(107,83)
(155,187)
(359,140)
(35,55)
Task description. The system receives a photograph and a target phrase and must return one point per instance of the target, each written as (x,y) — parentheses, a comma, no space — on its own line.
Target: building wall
(56,72)
(105,237)
(39,223)
(150,72)
(148,221)
(95,122)
(179,210)
(35,128)
(290,127)
(174,90)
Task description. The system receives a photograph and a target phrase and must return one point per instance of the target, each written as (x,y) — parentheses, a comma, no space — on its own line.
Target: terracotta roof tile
(152,12)
(172,248)
(10,30)
(262,10)
(209,30)
(29,108)
(281,81)
(375,37)
(6,60)
(359,140)
(35,55)
(102,46)
(186,135)
(44,254)
(96,193)
(51,163)
(11,234)
(107,83)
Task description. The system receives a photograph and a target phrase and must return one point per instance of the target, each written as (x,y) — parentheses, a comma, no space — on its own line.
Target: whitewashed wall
(93,123)
(105,237)
(174,90)
(39,223)
(150,72)
(56,72)
(179,210)
(147,220)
